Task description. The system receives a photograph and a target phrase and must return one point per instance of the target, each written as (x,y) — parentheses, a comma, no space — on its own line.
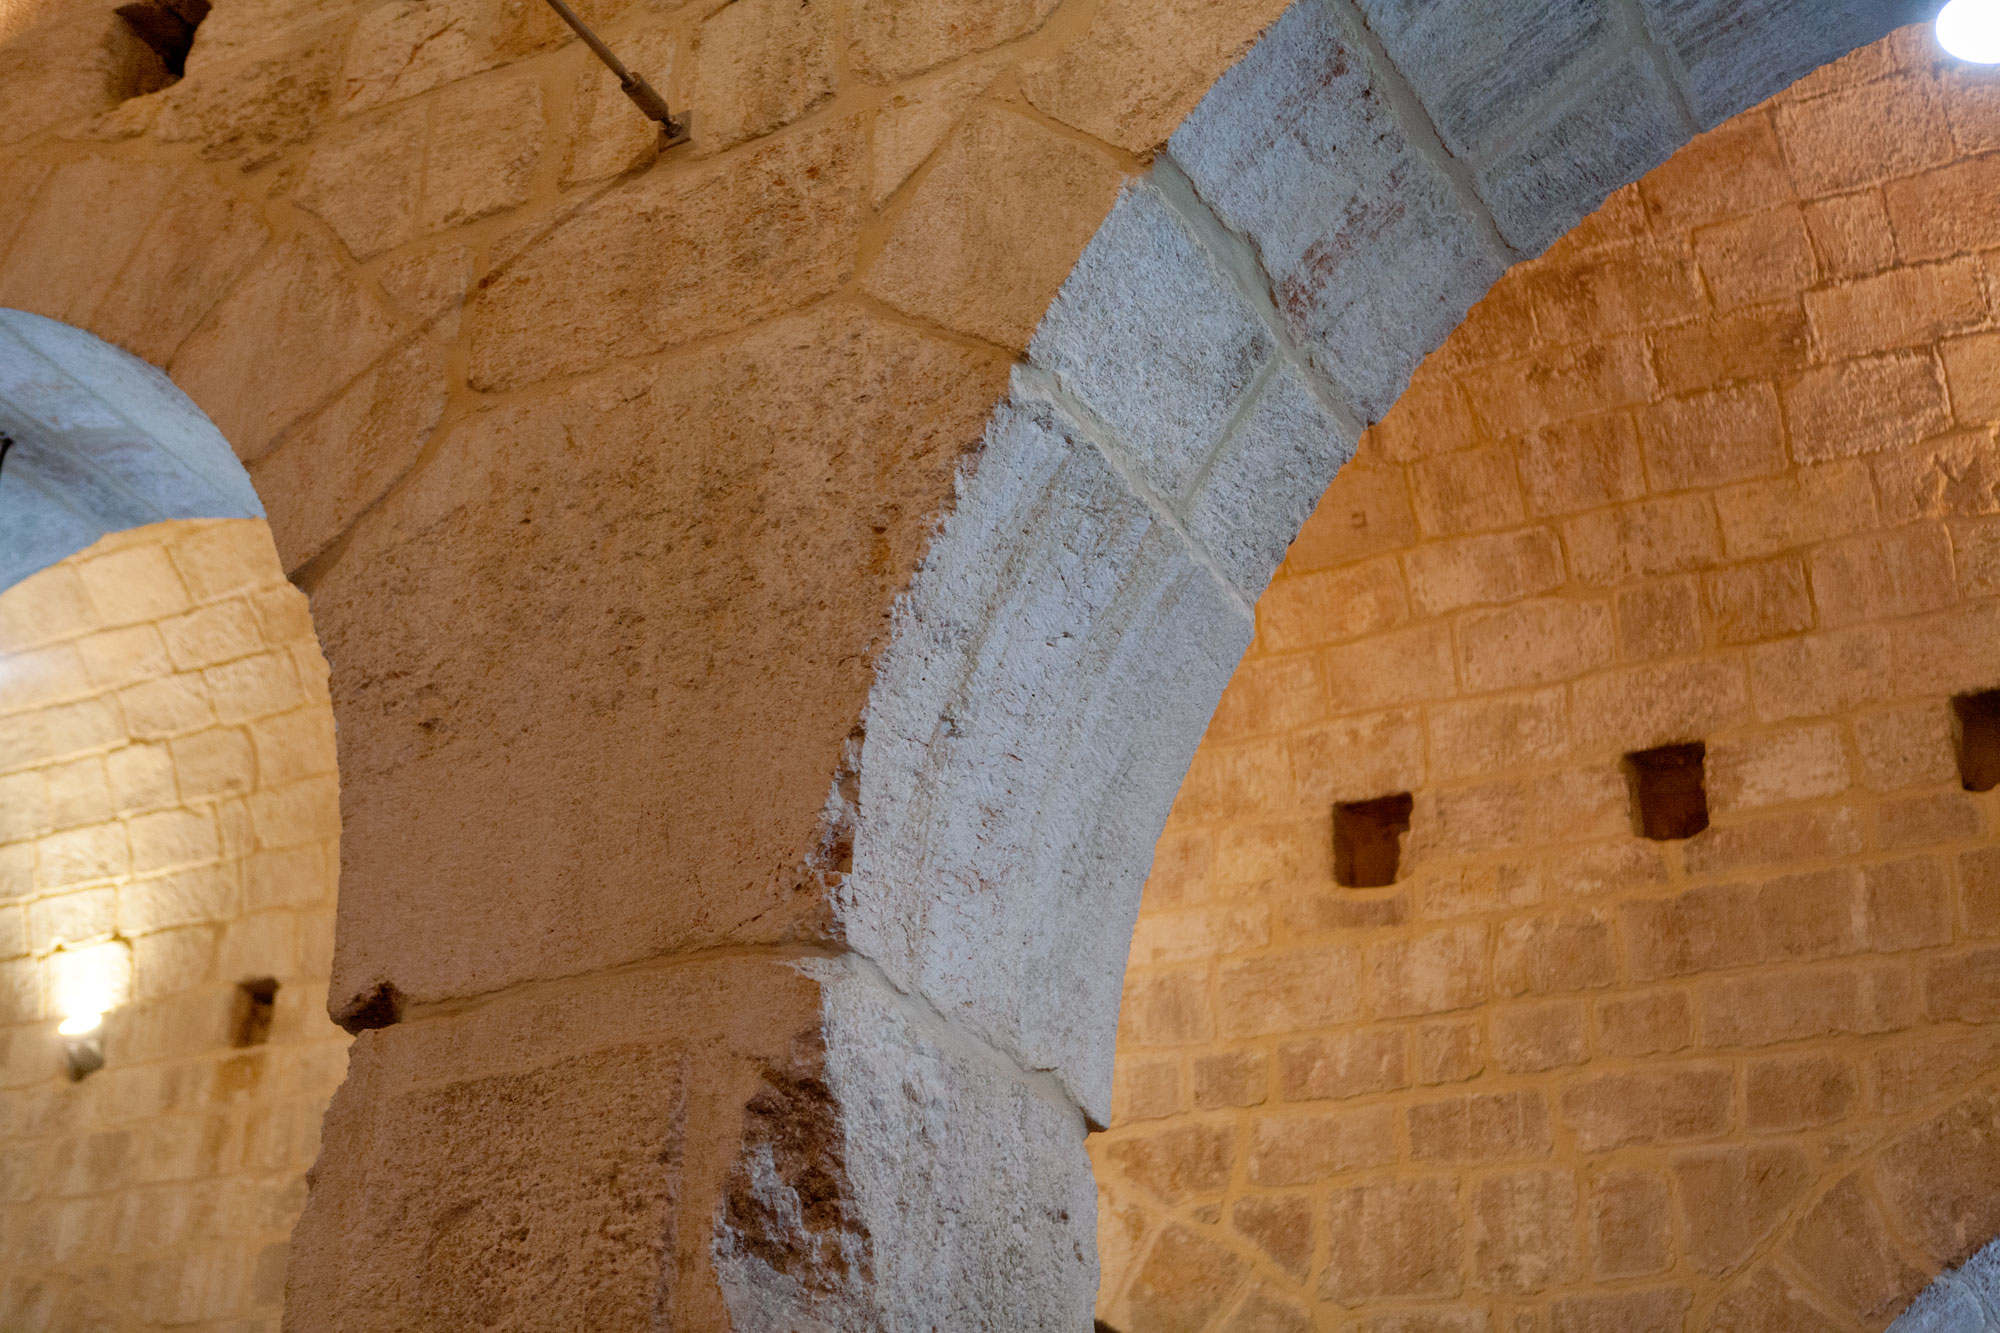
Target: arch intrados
(102,442)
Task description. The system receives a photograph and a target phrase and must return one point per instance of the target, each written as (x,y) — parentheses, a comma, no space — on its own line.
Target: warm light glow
(87,982)
(1970,30)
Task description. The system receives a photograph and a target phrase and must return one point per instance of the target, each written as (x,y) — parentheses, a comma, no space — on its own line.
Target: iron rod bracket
(675,130)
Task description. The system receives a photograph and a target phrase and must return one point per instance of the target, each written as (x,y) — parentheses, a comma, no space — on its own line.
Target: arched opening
(169,849)
(749,759)
(1661,597)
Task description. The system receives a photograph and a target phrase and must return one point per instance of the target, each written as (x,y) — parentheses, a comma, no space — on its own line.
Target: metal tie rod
(641,92)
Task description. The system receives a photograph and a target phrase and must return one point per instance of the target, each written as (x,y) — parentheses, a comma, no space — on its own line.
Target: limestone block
(1369,287)
(917,118)
(1645,1310)
(1367,513)
(1152,336)
(608,135)
(1266,478)
(1185,1280)
(889,40)
(297,329)
(201,241)
(250,113)
(1523,1233)
(488,139)
(338,462)
(1560,169)
(364,179)
(959,843)
(761,64)
(1630,1234)
(1140,66)
(1478,68)
(57,269)
(444,1137)
(1612,1110)
(994,228)
(70,66)
(408,47)
(672,258)
(1405,1236)
(1732,55)
(640,490)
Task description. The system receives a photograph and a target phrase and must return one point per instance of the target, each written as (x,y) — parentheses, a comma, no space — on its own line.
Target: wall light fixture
(1970,30)
(87,983)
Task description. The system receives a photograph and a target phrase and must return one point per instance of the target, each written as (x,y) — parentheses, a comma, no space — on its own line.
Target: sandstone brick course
(182,1162)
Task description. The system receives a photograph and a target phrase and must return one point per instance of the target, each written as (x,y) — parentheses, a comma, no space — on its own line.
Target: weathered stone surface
(53,268)
(331,468)
(1405,1237)
(1151,336)
(764,63)
(1478,68)
(1731,1198)
(672,258)
(69,66)
(617,493)
(202,241)
(1622,126)
(994,228)
(483,154)
(1265,479)
(893,39)
(1297,148)
(607,133)
(365,180)
(1733,55)
(442,1142)
(250,113)
(292,333)
(912,123)
(1141,66)
(971,1204)
(1844,1247)
(1937,1179)
(995,659)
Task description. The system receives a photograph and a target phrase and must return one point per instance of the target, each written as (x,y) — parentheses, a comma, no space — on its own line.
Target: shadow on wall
(169,848)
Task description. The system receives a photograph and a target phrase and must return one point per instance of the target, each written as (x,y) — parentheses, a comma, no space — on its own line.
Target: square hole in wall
(1368,840)
(167,26)
(1976,732)
(256,1006)
(1668,797)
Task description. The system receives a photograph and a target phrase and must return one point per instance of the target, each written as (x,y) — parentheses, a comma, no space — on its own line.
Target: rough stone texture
(1686,476)
(1151,336)
(994,662)
(166,779)
(683,453)
(986,239)
(1731,56)
(1291,149)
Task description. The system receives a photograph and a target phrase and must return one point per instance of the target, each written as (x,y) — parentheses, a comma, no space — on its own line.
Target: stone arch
(100,442)
(955,752)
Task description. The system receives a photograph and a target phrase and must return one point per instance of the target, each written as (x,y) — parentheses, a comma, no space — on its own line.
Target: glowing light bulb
(88,982)
(1970,30)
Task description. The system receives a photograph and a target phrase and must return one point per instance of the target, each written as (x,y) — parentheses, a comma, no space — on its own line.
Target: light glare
(87,982)
(77,1025)
(1970,30)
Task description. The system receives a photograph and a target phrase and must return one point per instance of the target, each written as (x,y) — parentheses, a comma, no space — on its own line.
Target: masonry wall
(166,781)
(1721,466)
